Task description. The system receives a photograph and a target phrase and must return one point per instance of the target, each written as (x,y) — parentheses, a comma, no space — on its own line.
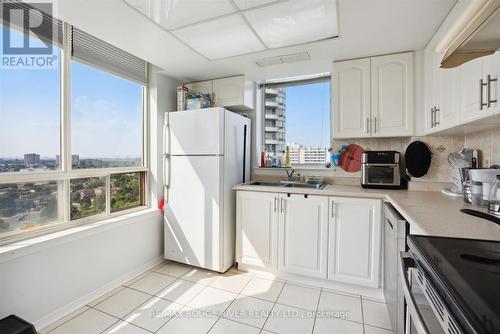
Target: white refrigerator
(207,152)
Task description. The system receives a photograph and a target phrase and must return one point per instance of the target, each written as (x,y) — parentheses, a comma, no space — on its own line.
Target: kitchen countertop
(428,212)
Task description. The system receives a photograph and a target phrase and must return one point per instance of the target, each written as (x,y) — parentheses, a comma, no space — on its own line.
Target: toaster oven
(380,169)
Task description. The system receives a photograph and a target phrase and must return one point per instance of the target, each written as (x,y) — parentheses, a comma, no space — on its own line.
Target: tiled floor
(175,298)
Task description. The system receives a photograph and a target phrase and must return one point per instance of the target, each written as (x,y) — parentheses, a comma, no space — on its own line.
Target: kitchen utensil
(494,198)
(481,214)
(482,179)
(417,159)
(457,161)
(350,160)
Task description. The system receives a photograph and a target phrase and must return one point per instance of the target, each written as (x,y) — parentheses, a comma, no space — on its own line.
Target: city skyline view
(106,113)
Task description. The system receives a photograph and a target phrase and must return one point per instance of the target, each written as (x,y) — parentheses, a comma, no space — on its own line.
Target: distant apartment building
(75,160)
(307,155)
(275,120)
(31,159)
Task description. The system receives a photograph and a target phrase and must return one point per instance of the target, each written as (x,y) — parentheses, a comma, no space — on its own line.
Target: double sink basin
(288,184)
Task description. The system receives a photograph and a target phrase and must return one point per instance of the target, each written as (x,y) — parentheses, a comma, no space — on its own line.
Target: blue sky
(106,113)
(308,114)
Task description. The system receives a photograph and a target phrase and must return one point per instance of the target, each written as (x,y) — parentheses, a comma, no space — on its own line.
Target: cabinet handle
(333,209)
(281,206)
(436,116)
(481,102)
(488,91)
(368,125)
(275,204)
(432,117)
(375,124)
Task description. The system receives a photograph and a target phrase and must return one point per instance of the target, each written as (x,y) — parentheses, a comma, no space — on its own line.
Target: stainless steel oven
(426,312)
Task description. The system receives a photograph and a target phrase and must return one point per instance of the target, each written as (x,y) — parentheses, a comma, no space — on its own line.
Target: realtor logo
(27,36)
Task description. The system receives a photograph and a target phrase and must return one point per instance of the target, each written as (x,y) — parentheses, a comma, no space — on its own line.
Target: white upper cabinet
(233,93)
(355,234)
(303,235)
(351,99)
(471,90)
(491,67)
(392,95)
(373,97)
(257,229)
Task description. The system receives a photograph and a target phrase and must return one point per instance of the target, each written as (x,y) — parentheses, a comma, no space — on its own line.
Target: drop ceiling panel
(225,37)
(173,14)
(294,22)
(245,4)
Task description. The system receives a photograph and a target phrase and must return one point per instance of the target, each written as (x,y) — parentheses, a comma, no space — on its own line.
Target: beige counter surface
(428,212)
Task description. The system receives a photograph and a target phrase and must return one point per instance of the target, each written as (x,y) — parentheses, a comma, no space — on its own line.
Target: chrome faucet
(289,173)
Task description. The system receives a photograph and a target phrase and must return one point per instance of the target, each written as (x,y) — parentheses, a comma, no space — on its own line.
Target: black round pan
(417,159)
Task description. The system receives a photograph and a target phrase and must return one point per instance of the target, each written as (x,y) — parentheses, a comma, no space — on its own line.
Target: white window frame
(66,173)
(296,81)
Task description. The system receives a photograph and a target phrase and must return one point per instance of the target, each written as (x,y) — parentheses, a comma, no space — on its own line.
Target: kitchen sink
(266,184)
(306,185)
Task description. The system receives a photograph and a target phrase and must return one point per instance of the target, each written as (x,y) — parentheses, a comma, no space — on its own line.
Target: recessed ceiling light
(225,37)
(294,22)
(173,14)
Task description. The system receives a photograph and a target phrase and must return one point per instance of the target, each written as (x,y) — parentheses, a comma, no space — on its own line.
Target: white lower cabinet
(355,241)
(334,238)
(257,229)
(303,235)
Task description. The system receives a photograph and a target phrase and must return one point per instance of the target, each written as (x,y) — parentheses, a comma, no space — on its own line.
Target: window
(54,173)
(297,117)
(29,127)
(106,119)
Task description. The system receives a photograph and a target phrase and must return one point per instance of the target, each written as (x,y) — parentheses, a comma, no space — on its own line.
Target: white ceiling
(366,28)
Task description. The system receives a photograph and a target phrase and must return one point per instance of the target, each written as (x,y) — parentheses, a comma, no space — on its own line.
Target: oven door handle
(406,263)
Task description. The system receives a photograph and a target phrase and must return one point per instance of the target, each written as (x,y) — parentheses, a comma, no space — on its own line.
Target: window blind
(50,29)
(95,52)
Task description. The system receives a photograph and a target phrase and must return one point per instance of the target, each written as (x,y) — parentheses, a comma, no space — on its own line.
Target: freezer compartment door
(195,132)
(193,211)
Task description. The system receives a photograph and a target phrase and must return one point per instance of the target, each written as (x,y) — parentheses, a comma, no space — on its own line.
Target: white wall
(50,280)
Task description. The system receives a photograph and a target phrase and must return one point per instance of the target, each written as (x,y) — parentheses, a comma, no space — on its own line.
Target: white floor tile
(153,282)
(376,330)
(136,278)
(336,326)
(153,314)
(181,291)
(376,314)
(263,288)
(248,310)
(212,300)
(61,321)
(231,281)
(89,322)
(173,269)
(342,306)
(224,326)
(200,276)
(124,327)
(106,296)
(289,320)
(299,296)
(123,302)
(189,321)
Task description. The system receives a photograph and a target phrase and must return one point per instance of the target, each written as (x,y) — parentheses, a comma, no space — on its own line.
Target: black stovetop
(467,275)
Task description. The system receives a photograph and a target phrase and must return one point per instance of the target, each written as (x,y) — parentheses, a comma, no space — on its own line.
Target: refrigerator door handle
(244,151)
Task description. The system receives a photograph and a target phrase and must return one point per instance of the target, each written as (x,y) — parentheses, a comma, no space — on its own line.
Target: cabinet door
(355,241)
(392,95)
(491,67)
(303,235)
(351,99)
(430,87)
(256,229)
(470,75)
(229,91)
(449,105)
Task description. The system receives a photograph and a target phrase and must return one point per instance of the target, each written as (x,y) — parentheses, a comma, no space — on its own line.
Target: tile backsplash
(487,142)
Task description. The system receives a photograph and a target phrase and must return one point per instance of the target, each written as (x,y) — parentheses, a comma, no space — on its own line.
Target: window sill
(31,245)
